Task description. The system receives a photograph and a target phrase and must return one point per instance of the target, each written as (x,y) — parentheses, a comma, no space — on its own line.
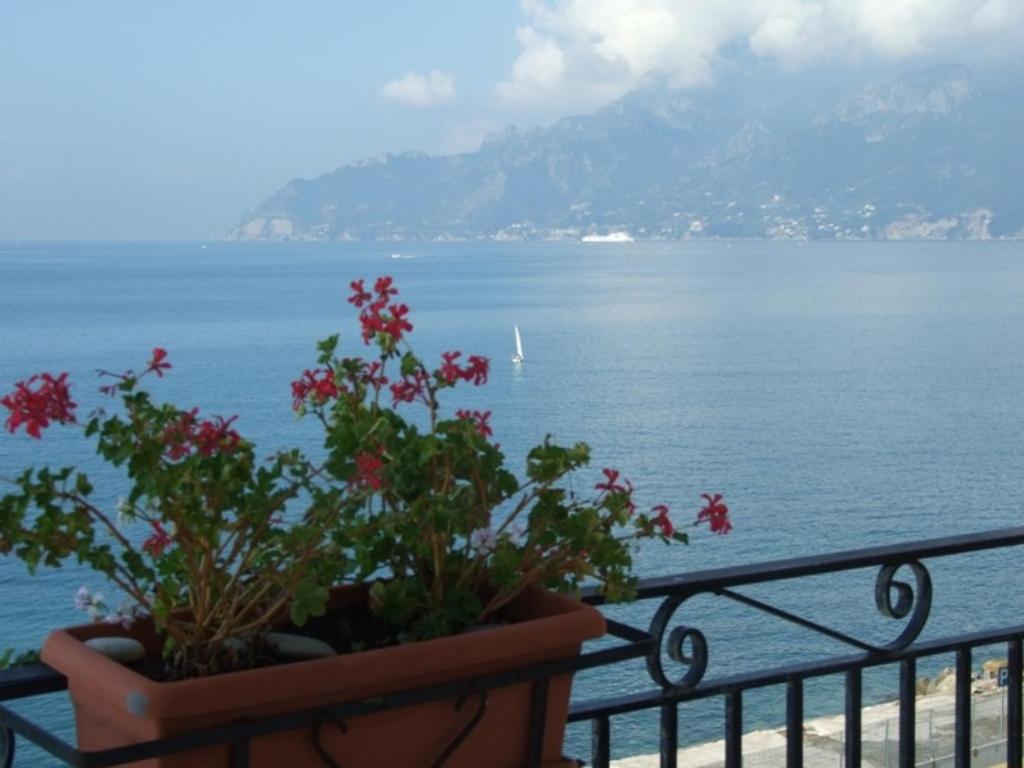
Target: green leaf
(327,347)
(393,601)
(310,600)
(410,364)
(82,485)
(9,657)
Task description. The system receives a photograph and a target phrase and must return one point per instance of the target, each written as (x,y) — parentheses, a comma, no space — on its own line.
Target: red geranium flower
(477,370)
(384,287)
(157,364)
(35,408)
(177,436)
(479,419)
(368,468)
(396,325)
(209,436)
(371,374)
(715,513)
(450,370)
(661,520)
(319,383)
(410,388)
(216,436)
(359,294)
(158,541)
(611,484)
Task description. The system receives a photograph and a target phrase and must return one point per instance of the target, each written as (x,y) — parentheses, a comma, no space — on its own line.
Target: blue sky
(134,119)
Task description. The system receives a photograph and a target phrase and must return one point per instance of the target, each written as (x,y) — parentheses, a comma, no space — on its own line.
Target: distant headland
(927,156)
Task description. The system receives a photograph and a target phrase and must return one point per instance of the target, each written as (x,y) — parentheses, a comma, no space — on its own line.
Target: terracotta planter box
(115,706)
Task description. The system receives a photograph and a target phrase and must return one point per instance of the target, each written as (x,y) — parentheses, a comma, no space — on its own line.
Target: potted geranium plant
(384,560)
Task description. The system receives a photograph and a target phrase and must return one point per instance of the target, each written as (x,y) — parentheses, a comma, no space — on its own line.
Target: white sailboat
(518,356)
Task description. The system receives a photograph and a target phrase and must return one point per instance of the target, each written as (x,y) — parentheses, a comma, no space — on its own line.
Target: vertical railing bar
(669,735)
(600,743)
(734,729)
(240,750)
(6,747)
(795,724)
(908,716)
(538,720)
(240,754)
(962,710)
(1013,704)
(853,718)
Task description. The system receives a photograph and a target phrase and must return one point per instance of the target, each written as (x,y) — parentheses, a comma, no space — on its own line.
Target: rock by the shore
(990,668)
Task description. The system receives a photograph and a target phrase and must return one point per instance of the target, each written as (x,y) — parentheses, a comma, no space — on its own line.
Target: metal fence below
(676,656)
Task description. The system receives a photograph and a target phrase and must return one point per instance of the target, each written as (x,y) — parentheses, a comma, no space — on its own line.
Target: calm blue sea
(839,395)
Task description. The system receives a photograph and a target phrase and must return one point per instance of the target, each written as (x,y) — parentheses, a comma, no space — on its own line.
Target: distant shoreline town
(972,226)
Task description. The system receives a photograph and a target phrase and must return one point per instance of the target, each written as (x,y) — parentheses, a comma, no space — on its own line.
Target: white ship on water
(612,237)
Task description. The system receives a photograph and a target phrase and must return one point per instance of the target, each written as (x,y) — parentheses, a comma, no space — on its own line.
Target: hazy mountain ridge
(930,155)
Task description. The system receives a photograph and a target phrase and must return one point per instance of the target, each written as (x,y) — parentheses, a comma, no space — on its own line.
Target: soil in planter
(351,630)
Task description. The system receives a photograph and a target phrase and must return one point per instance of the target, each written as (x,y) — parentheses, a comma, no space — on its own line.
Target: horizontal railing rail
(865,557)
(666,645)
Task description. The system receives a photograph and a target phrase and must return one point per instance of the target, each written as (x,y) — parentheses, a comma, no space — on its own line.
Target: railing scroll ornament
(695,659)
(915,603)
(687,645)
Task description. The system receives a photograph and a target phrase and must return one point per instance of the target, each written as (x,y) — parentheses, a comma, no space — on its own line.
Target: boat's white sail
(518,356)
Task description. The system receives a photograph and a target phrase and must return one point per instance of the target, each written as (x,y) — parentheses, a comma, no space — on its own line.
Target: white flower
(483,539)
(124,619)
(125,511)
(83,599)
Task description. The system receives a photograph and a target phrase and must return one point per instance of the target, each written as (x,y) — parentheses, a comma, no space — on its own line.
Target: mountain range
(927,155)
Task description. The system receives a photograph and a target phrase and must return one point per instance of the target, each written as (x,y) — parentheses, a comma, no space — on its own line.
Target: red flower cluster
(157,364)
(479,419)
(412,387)
(208,437)
(378,315)
(178,436)
(612,484)
(36,408)
(158,541)
(216,436)
(475,372)
(372,374)
(368,469)
(319,383)
(661,520)
(715,513)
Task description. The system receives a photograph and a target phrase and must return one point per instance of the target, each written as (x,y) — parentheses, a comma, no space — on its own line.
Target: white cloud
(581,53)
(539,70)
(416,90)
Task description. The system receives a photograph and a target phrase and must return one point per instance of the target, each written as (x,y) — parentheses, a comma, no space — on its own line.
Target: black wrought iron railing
(676,657)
